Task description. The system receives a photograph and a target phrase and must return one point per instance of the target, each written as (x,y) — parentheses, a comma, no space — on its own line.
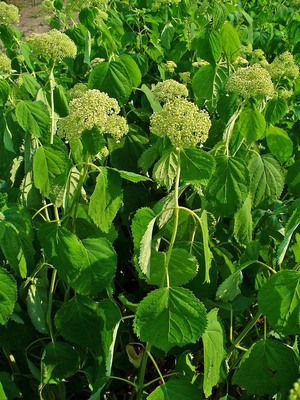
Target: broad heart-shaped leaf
(268,367)
(63,250)
(276,110)
(214,352)
(169,317)
(59,361)
(183,267)
(251,125)
(49,161)
(33,117)
(78,321)
(99,269)
(106,198)
(229,186)
(8,295)
(176,390)
(279,143)
(208,83)
(197,166)
(113,79)
(37,301)
(230,41)
(267,180)
(279,301)
(165,170)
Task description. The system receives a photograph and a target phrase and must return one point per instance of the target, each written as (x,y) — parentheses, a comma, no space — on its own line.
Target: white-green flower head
(8,13)
(78,90)
(5,63)
(77,5)
(94,109)
(53,45)
(169,90)
(295,391)
(182,122)
(251,81)
(284,66)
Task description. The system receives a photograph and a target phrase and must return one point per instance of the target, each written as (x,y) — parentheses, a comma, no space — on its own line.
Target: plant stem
(50,301)
(52,112)
(176,220)
(244,332)
(142,372)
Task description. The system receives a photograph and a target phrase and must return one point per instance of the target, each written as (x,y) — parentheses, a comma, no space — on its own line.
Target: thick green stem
(52,112)
(142,372)
(50,301)
(244,332)
(176,221)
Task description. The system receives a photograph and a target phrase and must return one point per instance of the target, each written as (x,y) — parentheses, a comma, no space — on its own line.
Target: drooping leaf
(140,222)
(165,169)
(292,224)
(268,367)
(251,125)
(279,143)
(243,226)
(169,317)
(106,198)
(230,41)
(276,110)
(145,248)
(214,352)
(78,321)
(229,185)
(279,301)
(167,35)
(266,179)
(37,301)
(182,268)
(8,296)
(293,178)
(99,267)
(59,361)
(4,92)
(197,166)
(230,288)
(176,390)
(33,117)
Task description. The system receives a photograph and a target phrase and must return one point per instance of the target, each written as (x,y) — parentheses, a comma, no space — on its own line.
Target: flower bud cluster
(79,4)
(251,81)
(5,63)
(77,90)
(295,391)
(169,90)
(93,109)
(284,66)
(52,45)
(182,122)
(8,13)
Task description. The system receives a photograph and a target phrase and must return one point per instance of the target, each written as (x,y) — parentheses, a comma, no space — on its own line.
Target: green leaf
(61,105)
(183,267)
(206,249)
(197,166)
(92,141)
(208,83)
(106,198)
(251,125)
(63,250)
(31,84)
(4,92)
(167,35)
(113,79)
(9,387)
(276,110)
(99,267)
(268,367)
(132,177)
(49,162)
(279,301)
(229,186)
(293,178)
(145,248)
(140,222)
(154,103)
(176,390)
(132,69)
(267,180)
(165,169)
(59,361)
(78,321)
(243,226)
(230,41)
(33,117)
(37,302)
(8,296)
(230,288)
(291,226)
(279,143)
(209,46)
(214,352)
(169,317)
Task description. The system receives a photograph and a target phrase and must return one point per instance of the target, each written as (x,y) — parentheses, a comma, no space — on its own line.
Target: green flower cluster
(77,91)
(93,109)
(295,391)
(251,81)
(182,122)
(8,13)
(5,63)
(169,90)
(79,4)
(51,46)
(284,66)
